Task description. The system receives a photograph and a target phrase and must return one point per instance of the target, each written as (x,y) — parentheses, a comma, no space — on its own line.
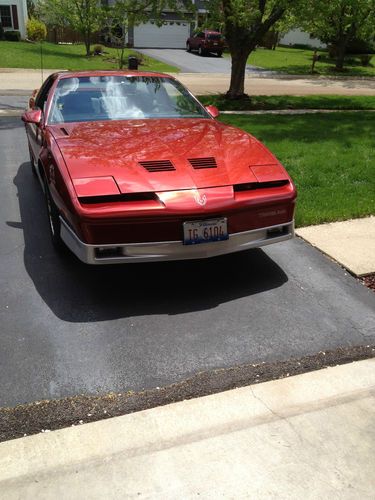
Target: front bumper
(172,250)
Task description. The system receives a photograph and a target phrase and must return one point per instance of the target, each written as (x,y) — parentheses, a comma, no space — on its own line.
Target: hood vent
(198,163)
(158,165)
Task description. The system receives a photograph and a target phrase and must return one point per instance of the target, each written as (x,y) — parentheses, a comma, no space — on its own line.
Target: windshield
(121,98)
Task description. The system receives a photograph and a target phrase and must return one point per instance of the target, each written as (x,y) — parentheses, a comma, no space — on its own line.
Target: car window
(211,36)
(121,98)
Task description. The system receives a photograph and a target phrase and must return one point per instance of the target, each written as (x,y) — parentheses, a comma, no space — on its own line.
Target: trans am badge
(201,200)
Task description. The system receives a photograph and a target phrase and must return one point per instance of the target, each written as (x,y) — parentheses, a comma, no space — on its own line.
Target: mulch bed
(369,281)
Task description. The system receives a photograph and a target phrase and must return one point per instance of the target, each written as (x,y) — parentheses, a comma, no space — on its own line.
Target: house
(13,15)
(299,37)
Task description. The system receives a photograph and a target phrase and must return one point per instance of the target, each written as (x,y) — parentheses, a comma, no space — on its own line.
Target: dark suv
(205,42)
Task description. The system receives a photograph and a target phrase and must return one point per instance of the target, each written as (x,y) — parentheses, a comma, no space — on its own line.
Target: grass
(298,62)
(263,102)
(331,158)
(72,57)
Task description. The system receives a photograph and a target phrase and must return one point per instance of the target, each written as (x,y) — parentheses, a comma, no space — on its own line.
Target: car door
(34,131)
(196,40)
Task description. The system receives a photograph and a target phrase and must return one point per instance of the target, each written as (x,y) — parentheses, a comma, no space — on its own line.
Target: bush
(36,30)
(12,36)
(1,32)
(303,46)
(365,59)
(359,47)
(98,49)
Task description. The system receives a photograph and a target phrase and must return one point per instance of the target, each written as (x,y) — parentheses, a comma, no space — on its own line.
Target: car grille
(198,163)
(157,165)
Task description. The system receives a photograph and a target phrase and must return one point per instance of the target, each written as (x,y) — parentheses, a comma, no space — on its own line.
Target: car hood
(219,155)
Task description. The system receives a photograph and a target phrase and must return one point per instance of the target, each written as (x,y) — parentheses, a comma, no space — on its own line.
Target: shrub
(36,30)
(12,36)
(365,59)
(98,49)
(1,32)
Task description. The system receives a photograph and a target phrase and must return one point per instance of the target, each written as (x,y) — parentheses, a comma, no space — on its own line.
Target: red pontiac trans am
(135,169)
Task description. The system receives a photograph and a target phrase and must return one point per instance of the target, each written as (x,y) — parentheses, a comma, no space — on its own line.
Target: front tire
(201,51)
(53,219)
(220,53)
(188,48)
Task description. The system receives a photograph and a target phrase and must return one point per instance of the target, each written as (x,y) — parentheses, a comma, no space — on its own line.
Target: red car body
(122,190)
(205,42)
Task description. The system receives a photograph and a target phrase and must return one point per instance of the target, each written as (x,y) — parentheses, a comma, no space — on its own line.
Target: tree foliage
(83,16)
(339,23)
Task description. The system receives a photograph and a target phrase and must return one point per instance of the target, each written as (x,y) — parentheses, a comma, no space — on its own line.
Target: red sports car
(135,169)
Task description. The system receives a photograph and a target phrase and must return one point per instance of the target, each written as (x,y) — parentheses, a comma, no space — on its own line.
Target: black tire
(220,53)
(32,162)
(53,219)
(188,48)
(201,51)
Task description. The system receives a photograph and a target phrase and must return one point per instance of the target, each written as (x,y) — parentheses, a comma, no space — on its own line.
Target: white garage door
(172,35)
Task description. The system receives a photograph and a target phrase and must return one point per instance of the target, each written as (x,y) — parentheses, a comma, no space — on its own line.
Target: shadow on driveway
(76,292)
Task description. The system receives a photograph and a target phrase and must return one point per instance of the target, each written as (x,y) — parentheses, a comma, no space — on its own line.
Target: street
(69,329)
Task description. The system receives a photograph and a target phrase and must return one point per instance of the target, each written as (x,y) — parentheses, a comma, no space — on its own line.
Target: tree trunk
(341,50)
(87,37)
(237,80)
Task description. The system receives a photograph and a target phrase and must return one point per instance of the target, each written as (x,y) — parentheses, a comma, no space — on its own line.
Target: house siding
(19,15)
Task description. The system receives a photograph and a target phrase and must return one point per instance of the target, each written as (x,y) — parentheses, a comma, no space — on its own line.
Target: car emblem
(201,200)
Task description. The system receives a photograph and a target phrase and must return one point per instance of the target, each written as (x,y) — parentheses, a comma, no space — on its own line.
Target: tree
(339,22)
(83,16)
(30,8)
(245,23)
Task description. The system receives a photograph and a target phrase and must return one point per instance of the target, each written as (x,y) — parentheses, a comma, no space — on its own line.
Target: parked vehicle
(135,169)
(205,42)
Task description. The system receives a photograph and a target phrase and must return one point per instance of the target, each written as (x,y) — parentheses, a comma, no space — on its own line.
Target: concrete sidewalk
(310,436)
(25,80)
(351,243)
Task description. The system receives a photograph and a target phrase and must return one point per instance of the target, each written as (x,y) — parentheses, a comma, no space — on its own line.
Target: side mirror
(32,98)
(33,116)
(214,112)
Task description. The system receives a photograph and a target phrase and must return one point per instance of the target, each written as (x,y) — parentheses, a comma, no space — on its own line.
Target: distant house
(13,15)
(299,37)
(172,34)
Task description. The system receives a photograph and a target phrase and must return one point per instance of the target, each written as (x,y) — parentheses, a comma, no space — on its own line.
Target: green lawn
(298,62)
(330,157)
(289,102)
(27,55)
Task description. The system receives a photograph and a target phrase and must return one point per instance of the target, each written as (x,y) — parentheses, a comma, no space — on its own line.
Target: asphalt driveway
(191,62)
(68,329)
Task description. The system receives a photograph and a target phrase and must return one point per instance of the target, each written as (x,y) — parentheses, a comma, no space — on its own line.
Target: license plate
(205,231)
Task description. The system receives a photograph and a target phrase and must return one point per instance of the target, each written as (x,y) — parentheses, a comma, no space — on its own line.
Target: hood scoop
(198,163)
(158,165)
